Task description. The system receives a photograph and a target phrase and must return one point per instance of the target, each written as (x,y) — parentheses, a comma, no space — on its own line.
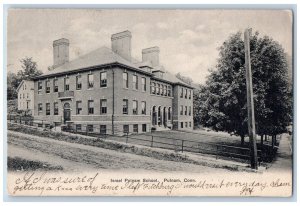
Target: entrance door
(67,112)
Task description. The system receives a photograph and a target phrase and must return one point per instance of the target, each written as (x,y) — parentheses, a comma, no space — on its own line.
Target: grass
(17,163)
(121,147)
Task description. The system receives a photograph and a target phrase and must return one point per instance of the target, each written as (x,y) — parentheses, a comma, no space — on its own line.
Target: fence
(156,141)
(182,145)
(29,120)
(151,140)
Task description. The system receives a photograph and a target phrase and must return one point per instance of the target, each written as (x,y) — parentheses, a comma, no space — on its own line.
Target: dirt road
(76,157)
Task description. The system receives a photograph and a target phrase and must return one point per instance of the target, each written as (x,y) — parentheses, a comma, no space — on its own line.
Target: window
(152,88)
(190,124)
(40,108)
(103,79)
(125,106)
(125,80)
(185,111)
(169,113)
(186,124)
(48,86)
(161,90)
(78,107)
(181,123)
(67,84)
(134,107)
(55,85)
(143,107)
(190,94)
(181,110)
(25,86)
(78,127)
(158,89)
(134,82)
(165,90)
(181,92)
(47,108)
(90,81)
(125,128)
(103,106)
(23,95)
(27,95)
(185,95)
(144,84)
(20,96)
(190,110)
(135,128)
(78,82)
(27,105)
(155,89)
(40,87)
(55,108)
(144,127)
(102,129)
(90,128)
(90,106)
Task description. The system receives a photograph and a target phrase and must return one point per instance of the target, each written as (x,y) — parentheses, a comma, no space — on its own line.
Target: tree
(29,70)
(12,84)
(185,79)
(224,102)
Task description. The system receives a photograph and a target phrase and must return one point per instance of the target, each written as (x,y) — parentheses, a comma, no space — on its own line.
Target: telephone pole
(250,102)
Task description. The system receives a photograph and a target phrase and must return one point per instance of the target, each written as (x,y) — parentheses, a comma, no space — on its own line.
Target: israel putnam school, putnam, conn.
(109,90)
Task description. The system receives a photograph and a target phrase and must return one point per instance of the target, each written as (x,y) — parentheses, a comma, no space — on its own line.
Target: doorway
(67,112)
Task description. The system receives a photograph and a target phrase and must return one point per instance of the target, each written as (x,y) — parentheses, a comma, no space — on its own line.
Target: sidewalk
(283,160)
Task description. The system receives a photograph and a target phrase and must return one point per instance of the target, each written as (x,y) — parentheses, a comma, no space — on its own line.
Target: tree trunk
(242,140)
(261,141)
(273,141)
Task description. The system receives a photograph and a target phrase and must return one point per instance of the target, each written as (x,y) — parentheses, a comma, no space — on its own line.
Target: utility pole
(250,102)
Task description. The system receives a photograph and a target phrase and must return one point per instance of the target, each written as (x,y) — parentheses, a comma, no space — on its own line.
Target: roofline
(20,85)
(184,84)
(24,80)
(179,83)
(44,76)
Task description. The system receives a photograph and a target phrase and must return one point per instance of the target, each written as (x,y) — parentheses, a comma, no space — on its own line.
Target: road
(77,158)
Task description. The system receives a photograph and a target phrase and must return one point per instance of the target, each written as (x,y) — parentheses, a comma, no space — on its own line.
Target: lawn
(219,144)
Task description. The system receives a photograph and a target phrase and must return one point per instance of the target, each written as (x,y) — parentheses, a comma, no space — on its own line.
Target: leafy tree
(12,84)
(185,79)
(224,101)
(29,70)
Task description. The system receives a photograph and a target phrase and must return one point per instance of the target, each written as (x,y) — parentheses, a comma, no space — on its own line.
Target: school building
(109,90)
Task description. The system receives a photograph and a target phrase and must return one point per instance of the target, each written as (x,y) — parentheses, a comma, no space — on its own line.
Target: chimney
(121,44)
(152,55)
(60,52)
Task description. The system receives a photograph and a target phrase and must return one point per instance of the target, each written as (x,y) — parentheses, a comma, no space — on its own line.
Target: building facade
(108,91)
(26,96)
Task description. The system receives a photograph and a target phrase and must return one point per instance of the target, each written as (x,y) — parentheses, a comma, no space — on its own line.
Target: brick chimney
(151,55)
(60,52)
(121,44)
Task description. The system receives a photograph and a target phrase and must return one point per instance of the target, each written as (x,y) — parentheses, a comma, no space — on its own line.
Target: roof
(98,57)
(22,82)
(104,57)
(172,79)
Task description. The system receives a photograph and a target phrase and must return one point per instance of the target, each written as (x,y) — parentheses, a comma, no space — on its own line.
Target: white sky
(188,39)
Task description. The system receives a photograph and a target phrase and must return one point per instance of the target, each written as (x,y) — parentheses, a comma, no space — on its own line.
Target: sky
(188,39)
